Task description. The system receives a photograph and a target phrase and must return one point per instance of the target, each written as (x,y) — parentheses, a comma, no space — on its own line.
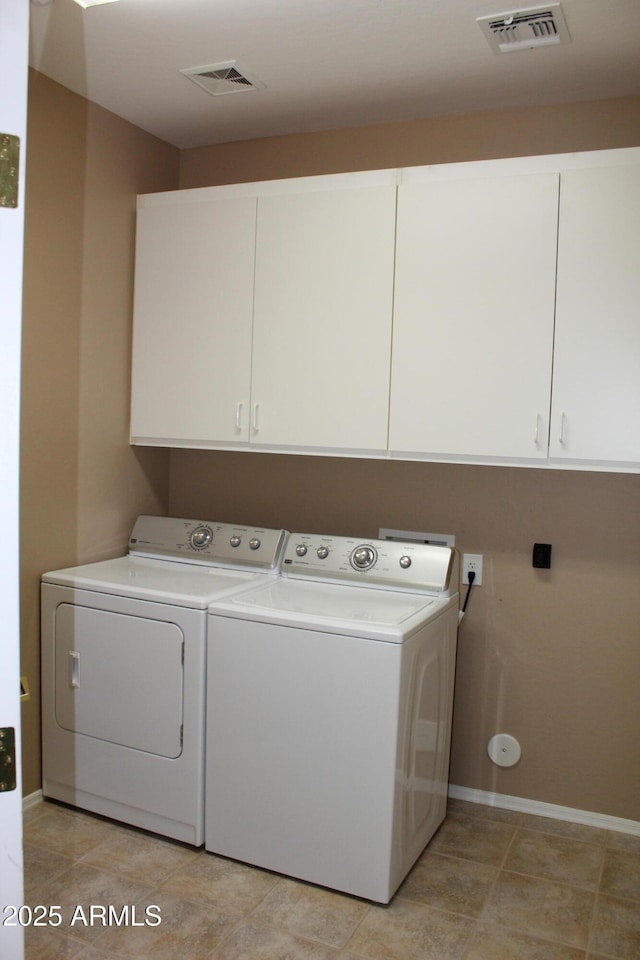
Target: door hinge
(9,168)
(7,759)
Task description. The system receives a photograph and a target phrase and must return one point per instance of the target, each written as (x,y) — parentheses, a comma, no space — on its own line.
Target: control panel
(207,542)
(395,565)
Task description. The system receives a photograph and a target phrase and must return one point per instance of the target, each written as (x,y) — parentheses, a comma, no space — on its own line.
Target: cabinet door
(473,317)
(596,388)
(322,318)
(192,319)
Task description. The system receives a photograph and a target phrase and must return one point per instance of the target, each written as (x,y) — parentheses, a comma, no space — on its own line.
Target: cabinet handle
(561,437)
(536,435)
(74,669)
(239,407)
(255,424)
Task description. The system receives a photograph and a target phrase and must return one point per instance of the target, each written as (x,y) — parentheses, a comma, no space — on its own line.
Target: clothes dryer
(330,697)
(123,669)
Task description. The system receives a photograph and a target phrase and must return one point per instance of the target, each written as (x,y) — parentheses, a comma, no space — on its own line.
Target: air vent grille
(525,29)
(232,76)
(221,78)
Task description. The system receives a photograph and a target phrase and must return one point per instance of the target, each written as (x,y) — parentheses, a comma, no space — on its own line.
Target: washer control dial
(255,543)
(323,553)
(301,550)
(405,562)
(201,537)
(363,557)
(235,540)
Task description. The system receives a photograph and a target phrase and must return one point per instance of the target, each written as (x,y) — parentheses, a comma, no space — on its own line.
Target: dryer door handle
(74,669)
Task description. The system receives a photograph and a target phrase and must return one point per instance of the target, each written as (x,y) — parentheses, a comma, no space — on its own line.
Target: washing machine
(330,697)
(123,669)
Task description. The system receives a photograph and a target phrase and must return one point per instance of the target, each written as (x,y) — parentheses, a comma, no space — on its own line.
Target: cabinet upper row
(475,312)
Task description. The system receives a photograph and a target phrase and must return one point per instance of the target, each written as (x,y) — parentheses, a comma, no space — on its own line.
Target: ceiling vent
(220,78)
(525,29)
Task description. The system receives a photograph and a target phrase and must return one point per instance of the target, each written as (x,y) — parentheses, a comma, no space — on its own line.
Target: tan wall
(550,657)
(511,133)
(82,484)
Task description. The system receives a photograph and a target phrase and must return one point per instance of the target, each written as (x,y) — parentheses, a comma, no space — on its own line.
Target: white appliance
(330,696)
(123,669)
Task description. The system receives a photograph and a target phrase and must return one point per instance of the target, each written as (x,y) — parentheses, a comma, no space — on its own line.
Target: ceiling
(324,63)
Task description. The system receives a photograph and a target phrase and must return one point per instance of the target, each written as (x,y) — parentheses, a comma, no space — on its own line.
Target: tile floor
(491,885)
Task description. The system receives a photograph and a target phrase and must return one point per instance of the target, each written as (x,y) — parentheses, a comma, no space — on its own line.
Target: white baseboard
(504,802)
(539,809)
(32,800)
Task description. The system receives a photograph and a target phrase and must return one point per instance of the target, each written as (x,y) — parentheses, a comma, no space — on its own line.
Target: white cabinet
(347,314)
(192,318)
(596,389)
(262,315)
(473,316)
(322,318)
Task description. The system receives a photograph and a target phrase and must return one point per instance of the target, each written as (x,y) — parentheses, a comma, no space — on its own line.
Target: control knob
(405,562)
(323,553)
(200,538)
(301,550)
(363,557)
(235,540)
(254,543)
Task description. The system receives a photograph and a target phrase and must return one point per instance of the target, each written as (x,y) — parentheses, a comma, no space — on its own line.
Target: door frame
(14,47)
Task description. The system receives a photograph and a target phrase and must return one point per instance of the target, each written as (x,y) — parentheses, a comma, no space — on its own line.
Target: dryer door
(119,678)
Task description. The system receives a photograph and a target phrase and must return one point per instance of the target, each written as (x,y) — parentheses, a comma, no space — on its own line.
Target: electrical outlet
(472,562)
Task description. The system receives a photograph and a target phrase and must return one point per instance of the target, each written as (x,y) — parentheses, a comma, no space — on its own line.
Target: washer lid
(164,581)
(356,611)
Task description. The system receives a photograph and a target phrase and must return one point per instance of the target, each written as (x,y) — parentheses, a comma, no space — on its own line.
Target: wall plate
(410,536)
(472,562)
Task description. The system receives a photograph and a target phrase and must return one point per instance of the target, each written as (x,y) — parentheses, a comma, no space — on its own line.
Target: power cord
(471,577)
